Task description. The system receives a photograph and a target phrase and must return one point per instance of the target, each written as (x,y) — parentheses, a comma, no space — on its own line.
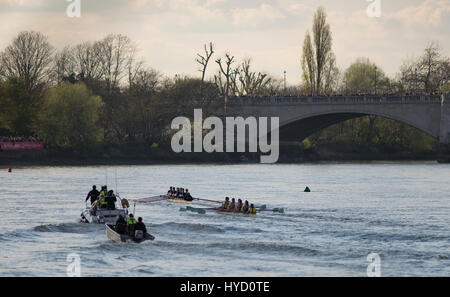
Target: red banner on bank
(15,146)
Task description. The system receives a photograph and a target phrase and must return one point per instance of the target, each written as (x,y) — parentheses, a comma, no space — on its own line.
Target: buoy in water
(9,170)
(307,190)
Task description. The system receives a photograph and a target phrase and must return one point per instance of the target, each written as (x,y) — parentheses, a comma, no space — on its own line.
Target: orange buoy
(9,170)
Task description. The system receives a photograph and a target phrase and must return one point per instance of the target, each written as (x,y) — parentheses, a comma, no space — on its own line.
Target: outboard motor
(139,234)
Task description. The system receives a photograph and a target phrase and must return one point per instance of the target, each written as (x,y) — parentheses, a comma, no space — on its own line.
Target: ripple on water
(187,227)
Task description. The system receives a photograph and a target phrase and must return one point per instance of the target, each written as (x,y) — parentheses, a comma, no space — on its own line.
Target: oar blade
(201,211)
(183,209)
(263,207)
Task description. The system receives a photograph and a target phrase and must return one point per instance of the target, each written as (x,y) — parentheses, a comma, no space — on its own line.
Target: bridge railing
(336,99)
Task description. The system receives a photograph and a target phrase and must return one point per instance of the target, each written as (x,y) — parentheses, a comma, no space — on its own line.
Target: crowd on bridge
(351,95)
(18,139)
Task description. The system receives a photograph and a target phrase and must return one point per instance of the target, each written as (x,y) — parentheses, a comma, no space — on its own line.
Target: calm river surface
(400,211)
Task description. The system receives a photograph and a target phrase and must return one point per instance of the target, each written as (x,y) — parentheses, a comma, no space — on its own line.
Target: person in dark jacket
(121,225)
(141,226)
(110,200)
(93,194)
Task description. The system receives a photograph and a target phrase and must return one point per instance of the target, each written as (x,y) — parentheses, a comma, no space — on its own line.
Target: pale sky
(169,33)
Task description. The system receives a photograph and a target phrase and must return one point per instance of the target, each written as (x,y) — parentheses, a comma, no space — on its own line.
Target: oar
(149,199)
(214,201)
(197,210)
(279,210)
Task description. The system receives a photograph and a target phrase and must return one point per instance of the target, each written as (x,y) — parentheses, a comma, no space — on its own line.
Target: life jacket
(102,198)
(239,206)
(253,210)
(232,205)
(131,222)
(225,204)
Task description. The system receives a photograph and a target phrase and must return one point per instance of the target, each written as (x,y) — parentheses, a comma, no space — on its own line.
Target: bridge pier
(444,137)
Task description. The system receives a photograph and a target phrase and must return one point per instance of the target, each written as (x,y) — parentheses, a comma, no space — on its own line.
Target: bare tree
(204,60)
(64,65)
(226,70)
(87,60)
(29,56)
(247,82)
(115,52)
(428,73)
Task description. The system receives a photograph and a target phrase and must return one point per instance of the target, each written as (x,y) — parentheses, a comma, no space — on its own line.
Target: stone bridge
(302,116)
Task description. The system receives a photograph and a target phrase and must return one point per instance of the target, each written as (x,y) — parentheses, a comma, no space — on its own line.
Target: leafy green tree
(363,76)
(69,117)
(18,109)
(318,59)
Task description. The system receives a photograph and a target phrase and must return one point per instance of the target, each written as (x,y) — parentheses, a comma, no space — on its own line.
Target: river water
(401,211)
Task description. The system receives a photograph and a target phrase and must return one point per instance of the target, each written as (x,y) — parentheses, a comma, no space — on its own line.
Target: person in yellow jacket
(252,209)
(232,205)
(239,205)
(102,200)
(226,203)
(131,224)
(246,207)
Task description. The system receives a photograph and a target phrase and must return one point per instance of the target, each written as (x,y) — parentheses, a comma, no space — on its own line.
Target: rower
(187,196)
(246,207)
(181,194)
(232,205)
(226,203)
(239,205)
(169,193)
(252,209)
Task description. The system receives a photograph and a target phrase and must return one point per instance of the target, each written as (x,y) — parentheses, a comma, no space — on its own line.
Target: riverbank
(158,156)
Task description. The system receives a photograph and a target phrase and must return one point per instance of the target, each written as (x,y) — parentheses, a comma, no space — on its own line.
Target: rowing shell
(179,201)
(236,214)
(170,199)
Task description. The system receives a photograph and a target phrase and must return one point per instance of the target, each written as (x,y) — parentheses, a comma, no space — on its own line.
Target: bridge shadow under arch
(302,128)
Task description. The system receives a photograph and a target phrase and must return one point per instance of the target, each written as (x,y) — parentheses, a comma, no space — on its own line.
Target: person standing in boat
(110,200)
(93,194)
(103,193)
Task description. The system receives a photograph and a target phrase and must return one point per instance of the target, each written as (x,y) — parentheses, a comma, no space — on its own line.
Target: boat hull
(102,216)
(173,200)
(118,238)
(236,214)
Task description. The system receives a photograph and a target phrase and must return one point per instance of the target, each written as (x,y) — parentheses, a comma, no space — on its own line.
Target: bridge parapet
(336,99)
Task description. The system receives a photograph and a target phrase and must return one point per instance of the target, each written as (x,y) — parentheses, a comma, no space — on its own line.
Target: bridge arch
(305,125)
